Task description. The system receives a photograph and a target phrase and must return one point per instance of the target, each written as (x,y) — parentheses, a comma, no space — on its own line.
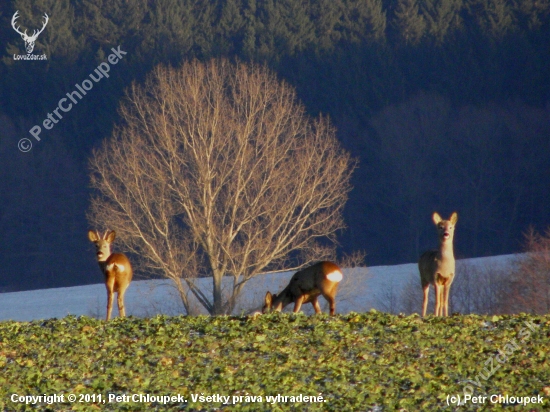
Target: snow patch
(359,291)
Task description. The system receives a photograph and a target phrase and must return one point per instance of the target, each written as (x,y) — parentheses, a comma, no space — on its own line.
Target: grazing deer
(305,287)
(115,266)
(437,267)
(29,40)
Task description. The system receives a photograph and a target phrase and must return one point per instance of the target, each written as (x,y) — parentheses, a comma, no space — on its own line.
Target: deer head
(29,40)
(445,228)
(102,243)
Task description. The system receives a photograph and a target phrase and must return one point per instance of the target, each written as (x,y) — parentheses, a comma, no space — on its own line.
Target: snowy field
(361,290)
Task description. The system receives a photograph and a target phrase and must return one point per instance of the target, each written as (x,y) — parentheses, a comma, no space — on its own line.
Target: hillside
(362,289)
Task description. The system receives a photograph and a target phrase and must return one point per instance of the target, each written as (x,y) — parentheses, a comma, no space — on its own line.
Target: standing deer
(115,266)
(437,267)
(305,287)
(29,40)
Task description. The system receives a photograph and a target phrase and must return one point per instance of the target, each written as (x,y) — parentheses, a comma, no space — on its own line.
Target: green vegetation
(355,361)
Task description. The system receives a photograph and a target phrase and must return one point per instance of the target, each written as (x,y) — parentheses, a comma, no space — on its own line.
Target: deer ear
(93,236)
(268,299)
(110,236)
(436,218)
(454,218)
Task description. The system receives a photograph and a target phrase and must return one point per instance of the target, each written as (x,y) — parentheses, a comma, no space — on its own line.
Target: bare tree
(216,170)
(529,280)
(389,298)
(411,300)
(477,288)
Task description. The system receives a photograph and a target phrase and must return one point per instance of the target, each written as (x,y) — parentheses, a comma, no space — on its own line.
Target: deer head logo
(29,40)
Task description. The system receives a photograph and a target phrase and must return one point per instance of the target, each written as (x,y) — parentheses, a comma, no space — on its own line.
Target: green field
(355,362)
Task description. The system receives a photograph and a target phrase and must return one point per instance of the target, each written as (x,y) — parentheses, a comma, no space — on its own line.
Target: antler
(15,16)
(35,33)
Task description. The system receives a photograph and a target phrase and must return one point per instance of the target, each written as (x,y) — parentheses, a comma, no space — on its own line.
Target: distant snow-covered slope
(361,290)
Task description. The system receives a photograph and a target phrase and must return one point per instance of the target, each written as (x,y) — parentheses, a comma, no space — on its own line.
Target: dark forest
(445,104)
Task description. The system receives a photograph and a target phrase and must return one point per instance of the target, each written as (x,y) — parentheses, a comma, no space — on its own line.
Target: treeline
(417,90)
(363,54)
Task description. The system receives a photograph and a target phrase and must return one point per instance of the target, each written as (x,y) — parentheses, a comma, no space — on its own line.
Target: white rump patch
(120,267)
(335,276)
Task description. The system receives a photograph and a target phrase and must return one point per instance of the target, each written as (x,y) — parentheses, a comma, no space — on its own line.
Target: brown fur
(116,280)
(305,287)
(437,267)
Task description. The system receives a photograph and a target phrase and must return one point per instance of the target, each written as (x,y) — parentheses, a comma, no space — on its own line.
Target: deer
(305,287)
(437,267)
(115,266)
(29,40)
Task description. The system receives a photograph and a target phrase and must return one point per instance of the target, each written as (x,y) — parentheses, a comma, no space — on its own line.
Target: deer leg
(110,284)
(426,290)
(330,297)
(331,304)
(109,304)
(316,306)
(437,309)
(441,299)
(120,302)
(298,304)
(446,291)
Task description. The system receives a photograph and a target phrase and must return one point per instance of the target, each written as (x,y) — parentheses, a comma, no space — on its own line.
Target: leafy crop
(356,361)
